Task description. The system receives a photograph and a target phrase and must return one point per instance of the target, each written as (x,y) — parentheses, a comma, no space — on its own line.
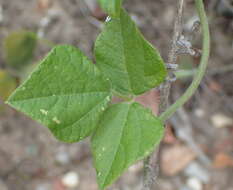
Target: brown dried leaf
(215,86)
(57,185)
(44,4)
(222,161)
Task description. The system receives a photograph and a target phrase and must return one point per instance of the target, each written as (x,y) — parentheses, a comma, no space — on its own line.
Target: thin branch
(172,57)
(151,168)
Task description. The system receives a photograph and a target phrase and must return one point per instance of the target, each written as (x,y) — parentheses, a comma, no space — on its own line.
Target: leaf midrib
(124,50)
(124,57)
(121,132)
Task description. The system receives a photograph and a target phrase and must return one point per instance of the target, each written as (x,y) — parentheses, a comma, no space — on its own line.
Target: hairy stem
(202,67)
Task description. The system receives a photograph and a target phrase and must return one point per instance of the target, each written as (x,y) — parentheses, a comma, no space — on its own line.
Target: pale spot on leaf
(108,98)
(55,119)
(45,112)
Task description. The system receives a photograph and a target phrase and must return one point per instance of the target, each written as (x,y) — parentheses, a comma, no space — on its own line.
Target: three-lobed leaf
(69,94)
(126,134)
(66,92)
(112,7)
(19,48)
(127,59)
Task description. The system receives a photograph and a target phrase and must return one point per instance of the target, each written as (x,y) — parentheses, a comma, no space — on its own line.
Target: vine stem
(202,67)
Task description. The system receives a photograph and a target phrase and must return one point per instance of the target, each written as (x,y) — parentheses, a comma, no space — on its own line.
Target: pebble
(3,186)
(43,187)
(185,188)
(219,120)
(62,158)
(194,184)
(199,112)
(70,179)
(194,169)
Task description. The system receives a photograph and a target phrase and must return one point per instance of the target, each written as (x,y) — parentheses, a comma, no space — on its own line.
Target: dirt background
(197,151)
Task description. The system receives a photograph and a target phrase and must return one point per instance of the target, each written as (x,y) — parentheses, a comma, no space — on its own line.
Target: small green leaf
(126,133)
(112,7)
(127,59)
(19,48)
(66,92)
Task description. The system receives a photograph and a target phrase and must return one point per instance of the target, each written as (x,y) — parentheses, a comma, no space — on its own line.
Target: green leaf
(126,133)
(127,59)
(112,7)
(66,92)
(19,48)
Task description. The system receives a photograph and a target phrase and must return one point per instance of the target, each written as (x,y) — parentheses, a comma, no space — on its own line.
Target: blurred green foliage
(19,48)
(7,85)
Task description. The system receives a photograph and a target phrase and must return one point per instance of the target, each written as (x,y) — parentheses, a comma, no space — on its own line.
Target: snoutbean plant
(72,96)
